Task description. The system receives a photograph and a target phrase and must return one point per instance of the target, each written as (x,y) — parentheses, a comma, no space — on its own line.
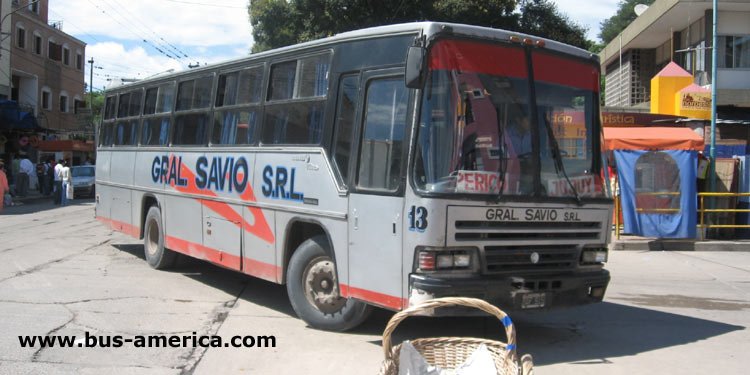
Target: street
(64,273)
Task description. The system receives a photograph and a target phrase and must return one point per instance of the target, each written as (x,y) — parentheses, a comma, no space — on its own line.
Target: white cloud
(115,31)
(588,13)
(179,23)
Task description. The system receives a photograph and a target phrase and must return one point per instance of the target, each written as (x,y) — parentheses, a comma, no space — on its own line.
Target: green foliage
(278,23)
(612,26)
(98,102)
(542,18)
(96,105)
(274,23)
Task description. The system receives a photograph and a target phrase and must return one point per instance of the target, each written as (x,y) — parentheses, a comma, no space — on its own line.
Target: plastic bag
(69,192)
(411,362)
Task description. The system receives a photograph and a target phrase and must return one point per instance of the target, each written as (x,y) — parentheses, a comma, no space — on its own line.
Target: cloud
(115,30)
(115,33)
(588,13)
(178,23)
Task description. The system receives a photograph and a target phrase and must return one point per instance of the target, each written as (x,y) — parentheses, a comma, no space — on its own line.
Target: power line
(108,62)
(168,45)
(164,44)
(132,32)
(207,5)
(68,23)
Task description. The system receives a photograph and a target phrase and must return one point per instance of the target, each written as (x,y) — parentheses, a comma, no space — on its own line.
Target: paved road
(62,273)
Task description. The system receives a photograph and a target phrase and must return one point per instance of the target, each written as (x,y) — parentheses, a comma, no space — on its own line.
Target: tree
(612,26)
(96,105)
(274,24)
(542,18)
(278,23)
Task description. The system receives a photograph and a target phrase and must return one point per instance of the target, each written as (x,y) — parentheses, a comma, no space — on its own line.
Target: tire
(311,269)
(157,256)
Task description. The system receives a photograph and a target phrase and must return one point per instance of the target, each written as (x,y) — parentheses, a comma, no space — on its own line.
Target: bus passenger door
(377,191)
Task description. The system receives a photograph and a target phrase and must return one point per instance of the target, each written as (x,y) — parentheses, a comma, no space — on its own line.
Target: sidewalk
(635,243)
(32,197)
(32,202)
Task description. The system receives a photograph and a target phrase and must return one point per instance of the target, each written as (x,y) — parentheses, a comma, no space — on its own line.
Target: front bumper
(86,190)
(513,292)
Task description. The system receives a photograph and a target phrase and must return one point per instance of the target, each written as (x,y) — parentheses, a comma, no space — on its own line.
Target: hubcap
(320,286)
(152,244)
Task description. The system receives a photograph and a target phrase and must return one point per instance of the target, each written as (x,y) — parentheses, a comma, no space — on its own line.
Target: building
(681,31)
(47,66)
(5,8)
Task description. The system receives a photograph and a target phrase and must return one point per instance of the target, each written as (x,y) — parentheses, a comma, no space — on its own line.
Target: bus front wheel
(314,291)
(157,255)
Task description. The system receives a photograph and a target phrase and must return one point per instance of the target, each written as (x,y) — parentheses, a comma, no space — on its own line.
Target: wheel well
(148,201)
(297,233)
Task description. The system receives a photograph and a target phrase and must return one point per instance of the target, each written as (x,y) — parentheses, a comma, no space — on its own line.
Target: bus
(379,167)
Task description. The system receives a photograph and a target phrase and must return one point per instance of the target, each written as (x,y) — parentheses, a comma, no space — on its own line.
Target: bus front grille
(502,259)
(508,246)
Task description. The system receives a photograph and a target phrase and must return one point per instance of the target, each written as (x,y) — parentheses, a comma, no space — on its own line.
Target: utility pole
(91,83)
(714,81)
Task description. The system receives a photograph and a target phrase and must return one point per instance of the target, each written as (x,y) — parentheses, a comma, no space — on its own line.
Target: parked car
(83,180)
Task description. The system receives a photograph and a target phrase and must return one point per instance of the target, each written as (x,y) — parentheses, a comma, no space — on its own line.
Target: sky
(137,39)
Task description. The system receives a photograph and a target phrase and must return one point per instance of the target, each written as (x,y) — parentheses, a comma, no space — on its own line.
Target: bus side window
(345,112)
(296,100)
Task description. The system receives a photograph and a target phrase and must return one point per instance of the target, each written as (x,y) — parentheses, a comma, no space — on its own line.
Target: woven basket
(450,352)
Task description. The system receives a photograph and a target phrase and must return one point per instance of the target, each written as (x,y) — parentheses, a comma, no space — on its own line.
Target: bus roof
(429,29)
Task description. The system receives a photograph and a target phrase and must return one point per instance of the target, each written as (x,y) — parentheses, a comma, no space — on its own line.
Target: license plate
(533,300)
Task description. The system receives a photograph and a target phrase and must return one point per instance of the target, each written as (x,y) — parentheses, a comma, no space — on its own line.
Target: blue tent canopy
(12,116)
(657,169)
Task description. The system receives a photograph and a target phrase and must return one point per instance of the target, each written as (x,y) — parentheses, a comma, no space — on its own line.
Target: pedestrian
(58,182)
(50,179)
(67,186)
(26,168)
(4,186)
(40,176)
(14,168)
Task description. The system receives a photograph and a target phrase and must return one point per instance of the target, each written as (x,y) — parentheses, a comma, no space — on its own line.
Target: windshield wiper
(502,159)
(557,158)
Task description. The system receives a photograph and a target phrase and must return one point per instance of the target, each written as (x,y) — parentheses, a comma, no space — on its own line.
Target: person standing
(66,182)
(14,168)
(58,182)
(26,168)
(49,167)
(4,187)
(40,176)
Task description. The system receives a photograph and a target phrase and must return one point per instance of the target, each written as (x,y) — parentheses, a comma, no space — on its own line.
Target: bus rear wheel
(314,292)
(157,256)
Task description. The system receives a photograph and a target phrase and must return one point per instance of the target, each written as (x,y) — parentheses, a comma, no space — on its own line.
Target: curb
(679,245)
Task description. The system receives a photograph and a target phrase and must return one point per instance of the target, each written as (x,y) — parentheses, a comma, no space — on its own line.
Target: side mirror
(414,77)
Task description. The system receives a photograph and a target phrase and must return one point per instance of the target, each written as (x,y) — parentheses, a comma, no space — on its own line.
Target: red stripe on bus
(261,270)
(377,298)
(202,252)
(120,226)
(484,58)
(259,227)
(474,57)
(566,72)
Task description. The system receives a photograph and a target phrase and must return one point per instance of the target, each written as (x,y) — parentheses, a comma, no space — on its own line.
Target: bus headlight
(446,259)
(594,256)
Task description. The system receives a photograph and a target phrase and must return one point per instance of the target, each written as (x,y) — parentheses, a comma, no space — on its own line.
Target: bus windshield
(486,128)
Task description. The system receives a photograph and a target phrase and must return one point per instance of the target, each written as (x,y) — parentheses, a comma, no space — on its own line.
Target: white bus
(379,167)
